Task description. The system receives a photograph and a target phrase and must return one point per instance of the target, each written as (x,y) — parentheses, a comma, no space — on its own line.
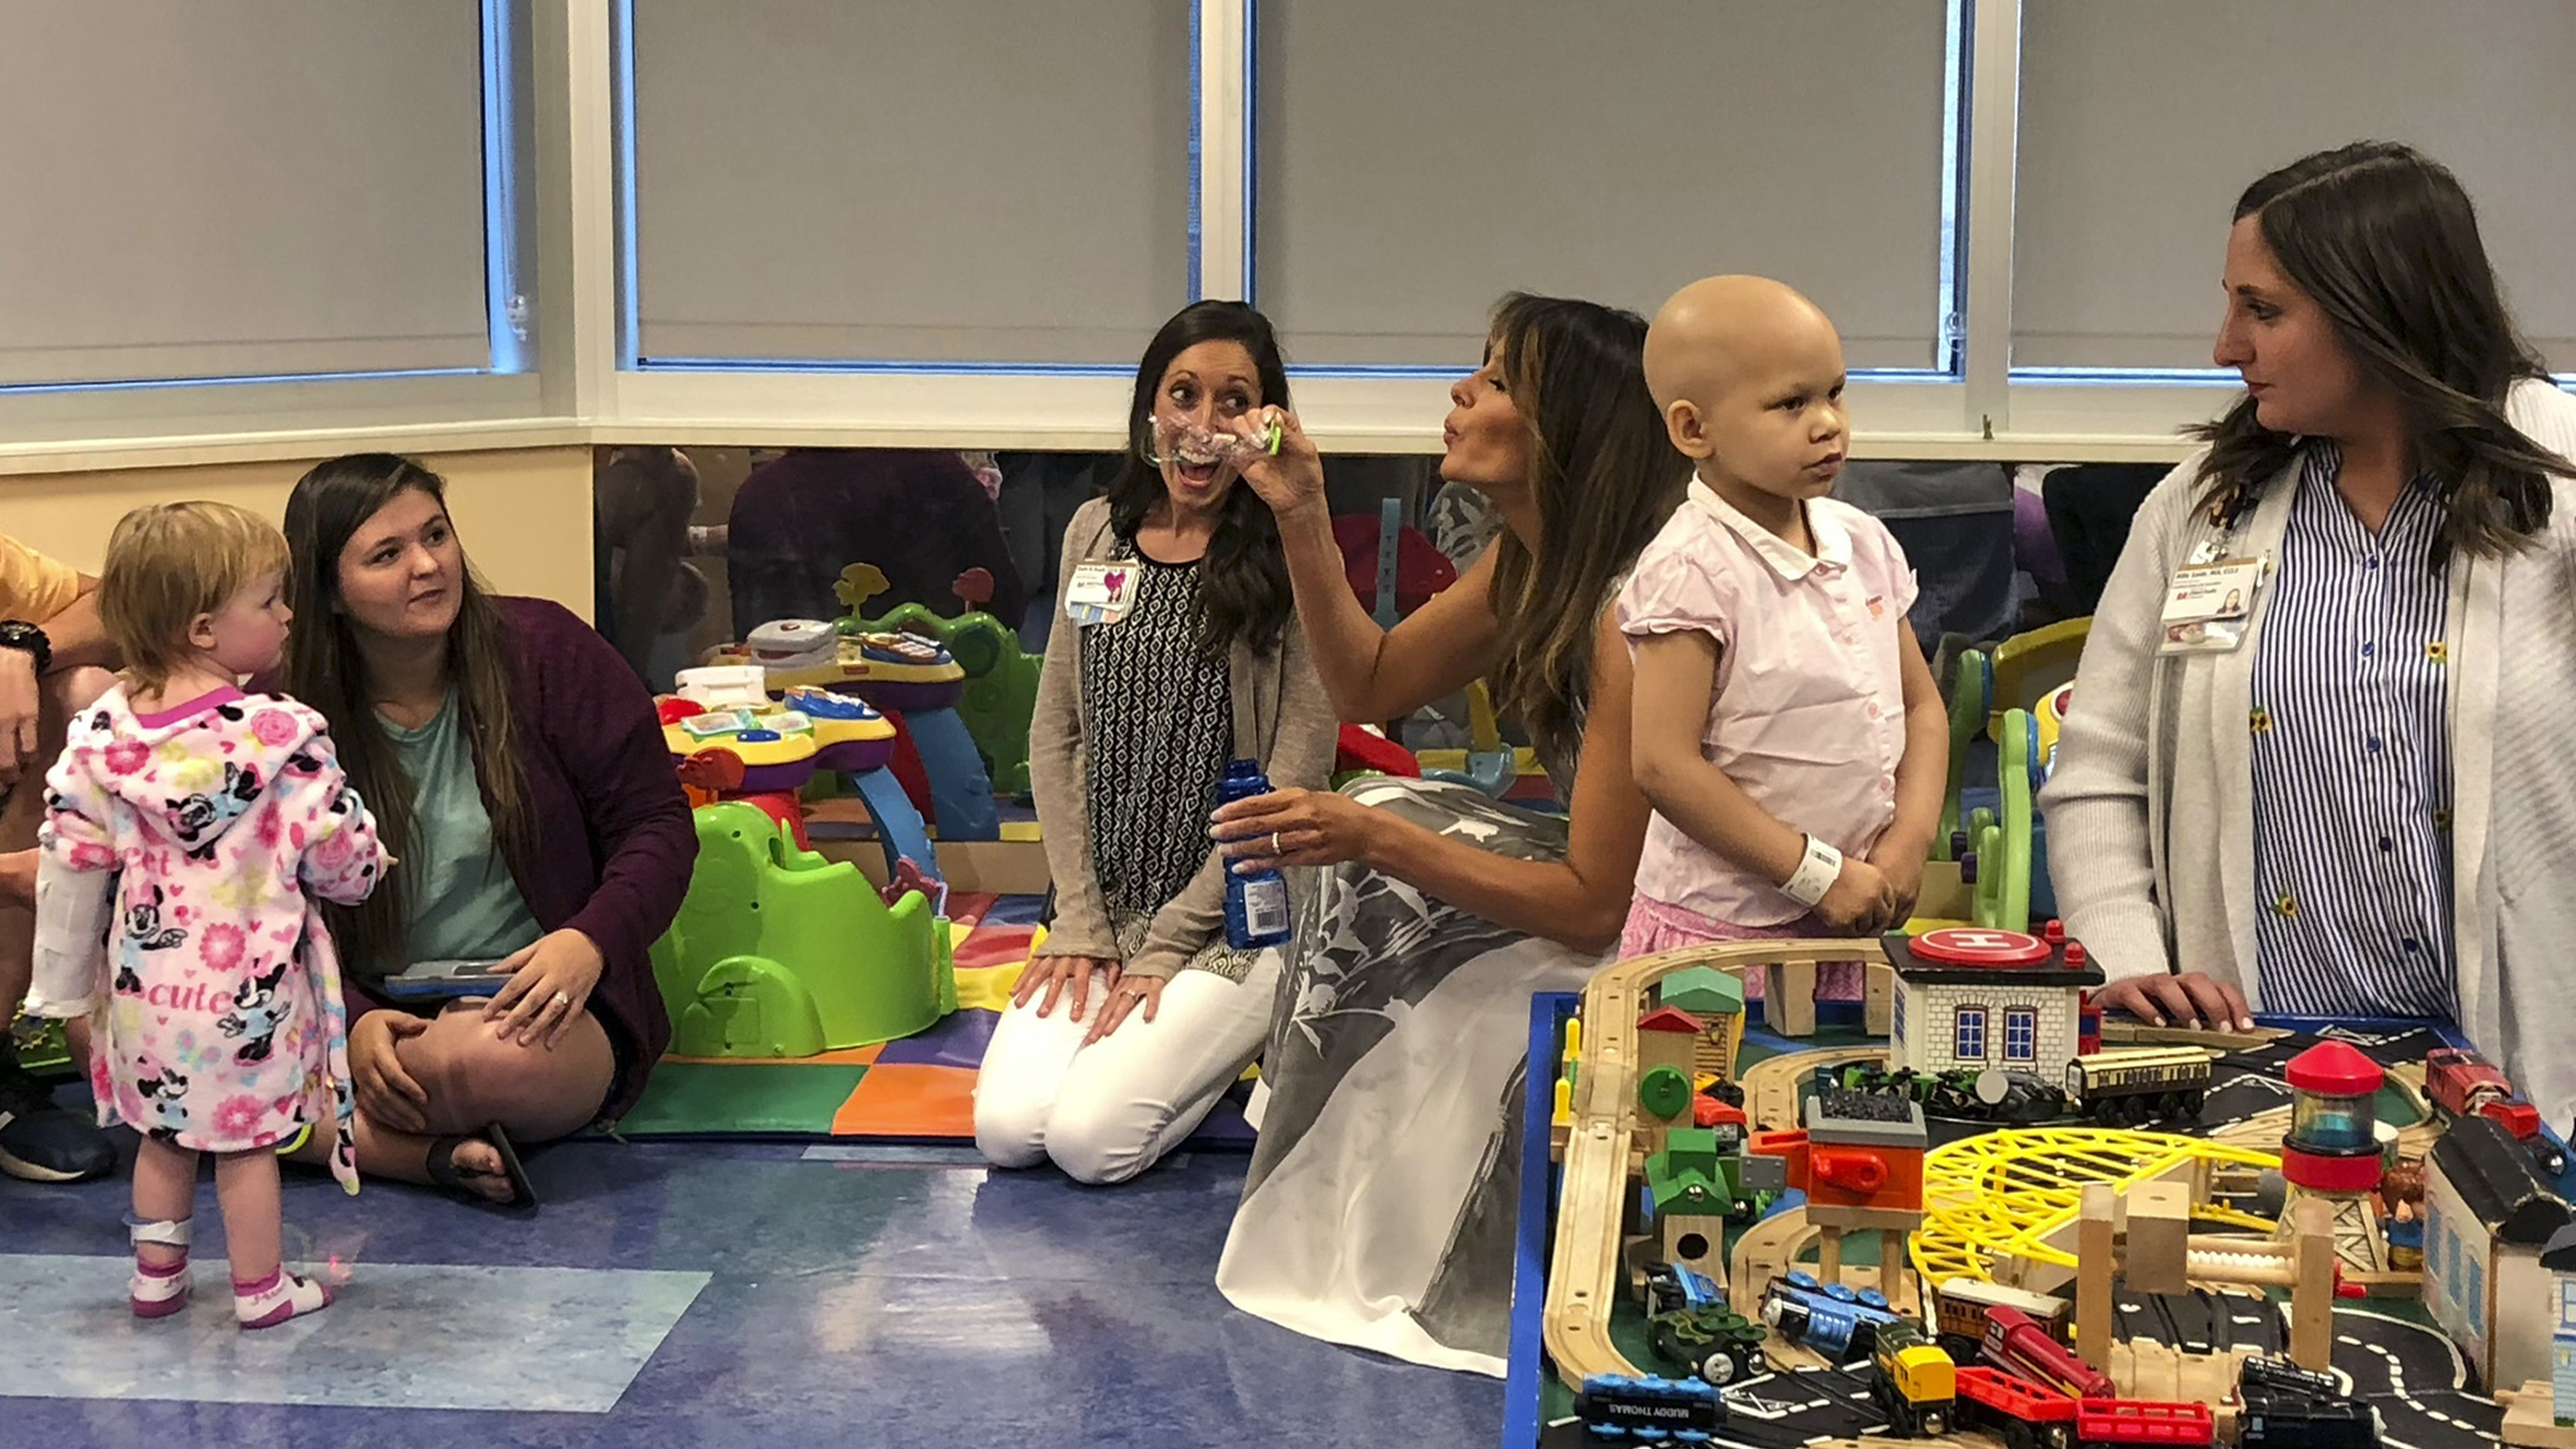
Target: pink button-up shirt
(1808,711)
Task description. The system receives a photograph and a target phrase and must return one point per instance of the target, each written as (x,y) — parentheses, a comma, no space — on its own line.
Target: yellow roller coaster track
(1583,1267)
(2015,1194)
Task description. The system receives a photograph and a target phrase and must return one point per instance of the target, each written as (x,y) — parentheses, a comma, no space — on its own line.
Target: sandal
(444,1171)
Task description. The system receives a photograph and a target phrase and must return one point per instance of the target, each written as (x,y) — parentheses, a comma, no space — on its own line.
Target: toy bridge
(2017,1196)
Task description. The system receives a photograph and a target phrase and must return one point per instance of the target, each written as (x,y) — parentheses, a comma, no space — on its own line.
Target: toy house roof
(2560,1255)
(1666,1018)
(1858,1119)
(2497,1181)
(1704,990)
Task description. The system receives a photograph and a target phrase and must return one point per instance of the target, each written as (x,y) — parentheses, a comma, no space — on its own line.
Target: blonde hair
(167,564)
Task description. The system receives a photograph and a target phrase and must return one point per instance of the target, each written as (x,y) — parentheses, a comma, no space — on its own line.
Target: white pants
(1107,1111)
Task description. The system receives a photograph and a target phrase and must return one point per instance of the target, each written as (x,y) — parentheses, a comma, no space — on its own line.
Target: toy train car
(1834,1321)
(2464,1084)
(1913,1382)
(1679,1288)
(1963,1093)
(2018,1345)
(1690,1327)
(2103,1423)
(1650,1410)
(2288,1407)
(1959,1313)
(2020,1413)
(2137,1085)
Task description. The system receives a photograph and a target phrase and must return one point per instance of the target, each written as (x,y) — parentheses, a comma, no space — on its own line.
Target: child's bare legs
(165,1193)
(247,1191)
(264,1294)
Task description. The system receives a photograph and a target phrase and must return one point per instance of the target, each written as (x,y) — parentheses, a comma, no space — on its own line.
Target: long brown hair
(325,669)
(2385,241)
(1604,476)
(1243,580)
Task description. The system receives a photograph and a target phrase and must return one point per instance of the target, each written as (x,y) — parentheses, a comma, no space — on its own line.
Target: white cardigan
(2150,810)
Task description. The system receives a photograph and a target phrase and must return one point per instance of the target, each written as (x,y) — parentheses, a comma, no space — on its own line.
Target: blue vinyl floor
(706,1294)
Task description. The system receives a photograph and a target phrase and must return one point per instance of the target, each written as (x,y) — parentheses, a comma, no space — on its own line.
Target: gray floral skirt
(1380,1206)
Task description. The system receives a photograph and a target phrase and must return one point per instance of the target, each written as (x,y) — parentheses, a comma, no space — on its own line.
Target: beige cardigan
(2150,810)
(1281,716)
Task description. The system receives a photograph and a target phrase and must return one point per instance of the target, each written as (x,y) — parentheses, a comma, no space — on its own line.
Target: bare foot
(478,1166)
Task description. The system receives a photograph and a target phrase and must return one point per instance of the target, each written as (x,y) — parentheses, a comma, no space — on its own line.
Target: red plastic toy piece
(1363,749)
(2143,1421)
(1978,946)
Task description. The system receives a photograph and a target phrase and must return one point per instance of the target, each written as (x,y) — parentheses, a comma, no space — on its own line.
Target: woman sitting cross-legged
(1136,1015)
(515,765)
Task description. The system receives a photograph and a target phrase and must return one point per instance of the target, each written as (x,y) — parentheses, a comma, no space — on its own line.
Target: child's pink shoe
(159,1291)
(276,1298)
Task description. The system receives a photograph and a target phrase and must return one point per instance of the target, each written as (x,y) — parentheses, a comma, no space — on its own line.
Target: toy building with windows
(2487,1217)
(1973,998)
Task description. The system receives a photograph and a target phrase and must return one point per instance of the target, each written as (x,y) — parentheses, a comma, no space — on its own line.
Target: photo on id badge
(2207,606)
(1101,593)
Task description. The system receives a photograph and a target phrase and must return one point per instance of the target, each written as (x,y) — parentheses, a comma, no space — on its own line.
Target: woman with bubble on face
(1179,651)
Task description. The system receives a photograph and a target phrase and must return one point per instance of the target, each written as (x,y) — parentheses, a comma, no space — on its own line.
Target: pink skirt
(1655,926)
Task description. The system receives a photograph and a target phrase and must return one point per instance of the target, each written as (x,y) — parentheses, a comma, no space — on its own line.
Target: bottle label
(1265,908)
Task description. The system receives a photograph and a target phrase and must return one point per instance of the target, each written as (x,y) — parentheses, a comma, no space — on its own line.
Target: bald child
(1787,729)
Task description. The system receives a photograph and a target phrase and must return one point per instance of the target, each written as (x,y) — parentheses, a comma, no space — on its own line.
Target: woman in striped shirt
(2325,795)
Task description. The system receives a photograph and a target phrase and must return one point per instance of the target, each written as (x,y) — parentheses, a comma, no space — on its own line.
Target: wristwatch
(21,635)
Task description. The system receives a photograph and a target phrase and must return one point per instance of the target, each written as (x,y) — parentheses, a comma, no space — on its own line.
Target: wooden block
(1829,1256)
(1863,1219)
(2528,1418)
(2159,1234)
(2094,1262)
(2312,1299)
(1789,998)
(1878,999)
(1682,1232)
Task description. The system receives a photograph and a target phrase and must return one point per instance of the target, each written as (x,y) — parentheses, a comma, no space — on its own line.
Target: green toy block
(1971,702)
(1704,992)
(1692,1149)
(2002,843)
(778,952)
(1001,691)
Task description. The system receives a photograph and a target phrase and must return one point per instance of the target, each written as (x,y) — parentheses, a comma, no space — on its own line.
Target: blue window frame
(2021,1034)
(1968,1035)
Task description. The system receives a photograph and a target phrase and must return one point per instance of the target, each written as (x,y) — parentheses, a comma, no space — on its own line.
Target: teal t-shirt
(464,905)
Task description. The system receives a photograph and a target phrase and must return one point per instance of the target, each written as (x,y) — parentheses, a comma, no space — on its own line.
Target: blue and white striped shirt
(2352,761)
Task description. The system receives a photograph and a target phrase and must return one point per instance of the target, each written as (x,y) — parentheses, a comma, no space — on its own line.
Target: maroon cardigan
(615,844)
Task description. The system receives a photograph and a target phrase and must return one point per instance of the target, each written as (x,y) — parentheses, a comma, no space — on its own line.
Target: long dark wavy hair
(1243,580)
(2385,241)
(325,670)
(1605,476)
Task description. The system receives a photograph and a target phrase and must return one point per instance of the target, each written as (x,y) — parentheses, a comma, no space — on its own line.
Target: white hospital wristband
(1816,873)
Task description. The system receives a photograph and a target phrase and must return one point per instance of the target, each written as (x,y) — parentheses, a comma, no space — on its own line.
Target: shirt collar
(1833,543)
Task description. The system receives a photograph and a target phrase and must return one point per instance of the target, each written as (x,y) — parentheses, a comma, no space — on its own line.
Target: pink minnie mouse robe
(222,1027)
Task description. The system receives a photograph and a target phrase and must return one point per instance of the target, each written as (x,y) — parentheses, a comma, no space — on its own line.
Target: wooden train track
(1583,1266)
(1771,1084)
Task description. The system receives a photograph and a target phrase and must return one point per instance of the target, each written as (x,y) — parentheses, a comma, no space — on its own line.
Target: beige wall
(524,513)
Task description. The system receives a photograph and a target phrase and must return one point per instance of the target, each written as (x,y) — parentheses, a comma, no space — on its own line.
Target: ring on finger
(1274,843)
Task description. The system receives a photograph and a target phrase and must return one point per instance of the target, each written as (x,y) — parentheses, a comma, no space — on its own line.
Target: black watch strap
(20,635)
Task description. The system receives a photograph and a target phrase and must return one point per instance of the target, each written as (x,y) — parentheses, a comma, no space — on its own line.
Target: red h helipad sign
(1976,946)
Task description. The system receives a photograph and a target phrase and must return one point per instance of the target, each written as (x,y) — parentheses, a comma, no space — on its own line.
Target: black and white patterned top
(2352,760)
(1158,718)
